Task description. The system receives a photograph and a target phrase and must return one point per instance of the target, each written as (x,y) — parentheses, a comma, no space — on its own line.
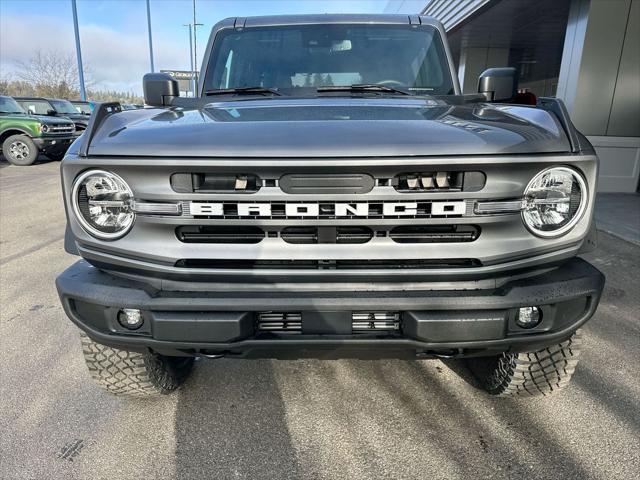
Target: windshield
(36,107)
(63,106)
(9,105)
(304,57)
(82,107)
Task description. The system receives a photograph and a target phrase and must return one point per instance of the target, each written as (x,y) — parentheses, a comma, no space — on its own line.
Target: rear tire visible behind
(538,373)
(125,373)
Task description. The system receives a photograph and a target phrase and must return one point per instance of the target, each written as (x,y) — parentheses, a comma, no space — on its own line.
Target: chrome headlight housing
(44,128)
(103,204)
(554,201)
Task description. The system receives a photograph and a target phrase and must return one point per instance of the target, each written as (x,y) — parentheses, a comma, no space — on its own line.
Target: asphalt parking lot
(261,419)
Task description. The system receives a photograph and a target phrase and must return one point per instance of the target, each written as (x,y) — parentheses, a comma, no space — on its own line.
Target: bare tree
(54,74)
(51,74)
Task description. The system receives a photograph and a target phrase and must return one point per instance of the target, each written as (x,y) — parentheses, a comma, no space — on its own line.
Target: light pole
(193,81)
(83,94)
(195,46)
(150,38)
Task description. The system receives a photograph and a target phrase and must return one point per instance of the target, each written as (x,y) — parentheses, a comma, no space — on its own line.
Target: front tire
(538,373)
(19,150)
(125,373)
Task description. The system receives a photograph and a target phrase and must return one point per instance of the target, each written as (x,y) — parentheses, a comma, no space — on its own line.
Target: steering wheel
(391,83)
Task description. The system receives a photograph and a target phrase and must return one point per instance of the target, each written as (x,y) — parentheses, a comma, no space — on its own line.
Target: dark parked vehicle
(23,136)
(54,107)
(82,107)
(331,193)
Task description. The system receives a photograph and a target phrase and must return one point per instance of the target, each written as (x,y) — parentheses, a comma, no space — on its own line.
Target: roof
(312,19)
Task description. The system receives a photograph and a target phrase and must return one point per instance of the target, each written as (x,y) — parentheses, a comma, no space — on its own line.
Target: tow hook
(211,355)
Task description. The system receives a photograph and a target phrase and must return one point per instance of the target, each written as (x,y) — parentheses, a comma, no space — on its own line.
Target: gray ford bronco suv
(330,193)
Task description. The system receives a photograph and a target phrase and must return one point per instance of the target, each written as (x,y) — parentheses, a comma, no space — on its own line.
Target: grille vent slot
(280,322)
(439,181)
(215,234)
(366,322)
(340,235)
(327,184)
(244,264)
(434,233)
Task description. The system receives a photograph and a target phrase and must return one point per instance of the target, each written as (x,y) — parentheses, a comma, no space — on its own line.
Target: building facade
(586,52)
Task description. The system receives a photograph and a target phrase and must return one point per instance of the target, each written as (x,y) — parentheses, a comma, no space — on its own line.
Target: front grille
(327,234)
(434,233)
(242,264)
(60,129)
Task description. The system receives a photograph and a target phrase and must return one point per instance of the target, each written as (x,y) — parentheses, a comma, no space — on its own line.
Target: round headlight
(554,201)
(44,128)
(103,204)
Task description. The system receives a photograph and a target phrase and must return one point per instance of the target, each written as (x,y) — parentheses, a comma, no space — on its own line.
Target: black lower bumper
(45,144)
(431,322)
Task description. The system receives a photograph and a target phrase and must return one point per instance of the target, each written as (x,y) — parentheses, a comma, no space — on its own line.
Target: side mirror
(158,88)
(51,112)
(498,84)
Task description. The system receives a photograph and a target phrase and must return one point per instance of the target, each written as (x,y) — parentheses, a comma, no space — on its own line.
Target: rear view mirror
(159,88)
(51,112)
(498,84)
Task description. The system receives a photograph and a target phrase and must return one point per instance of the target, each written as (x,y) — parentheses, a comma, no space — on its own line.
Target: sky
(113,33)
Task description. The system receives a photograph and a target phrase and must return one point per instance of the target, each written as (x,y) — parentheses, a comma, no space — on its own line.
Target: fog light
(130,318)
(528,317)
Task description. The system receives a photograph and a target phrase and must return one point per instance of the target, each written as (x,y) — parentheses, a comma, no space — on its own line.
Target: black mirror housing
(498,84)
(51,112)
(159,88)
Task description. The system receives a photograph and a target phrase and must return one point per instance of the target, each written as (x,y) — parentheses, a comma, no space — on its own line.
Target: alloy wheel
(19,150)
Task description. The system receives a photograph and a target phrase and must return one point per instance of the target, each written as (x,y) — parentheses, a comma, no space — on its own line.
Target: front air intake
(367,322)
(279,322)
(340,235)
(434,233)
(217,234)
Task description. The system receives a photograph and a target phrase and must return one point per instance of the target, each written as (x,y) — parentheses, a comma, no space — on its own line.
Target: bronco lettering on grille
(379,209)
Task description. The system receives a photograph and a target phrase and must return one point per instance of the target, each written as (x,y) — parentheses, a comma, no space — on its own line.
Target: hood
(48,120)
(76,117)
(331,127)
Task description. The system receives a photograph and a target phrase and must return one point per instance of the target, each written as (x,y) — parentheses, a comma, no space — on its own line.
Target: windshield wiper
(243,91)
(364,87)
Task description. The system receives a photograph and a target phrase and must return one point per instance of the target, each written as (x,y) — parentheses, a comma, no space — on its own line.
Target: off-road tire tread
(134,374)
(539,373)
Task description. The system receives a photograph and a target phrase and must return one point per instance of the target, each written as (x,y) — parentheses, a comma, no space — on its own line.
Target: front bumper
(433,322)
(54,142)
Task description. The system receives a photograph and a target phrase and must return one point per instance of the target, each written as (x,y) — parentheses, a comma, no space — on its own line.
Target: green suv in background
(23,136)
